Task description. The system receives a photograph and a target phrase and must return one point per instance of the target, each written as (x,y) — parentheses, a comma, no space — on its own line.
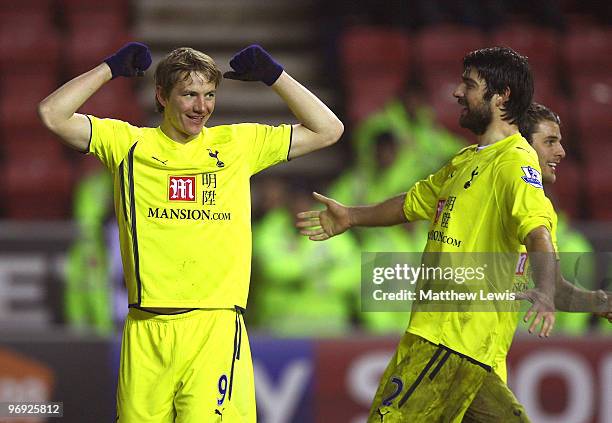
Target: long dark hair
(502,68)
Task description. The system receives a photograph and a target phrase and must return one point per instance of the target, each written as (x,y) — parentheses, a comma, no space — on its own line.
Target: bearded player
(488,198)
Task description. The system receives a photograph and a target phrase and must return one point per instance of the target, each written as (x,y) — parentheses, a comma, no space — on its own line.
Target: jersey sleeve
(111,140)
(266,145)
(519,188)
(421,199)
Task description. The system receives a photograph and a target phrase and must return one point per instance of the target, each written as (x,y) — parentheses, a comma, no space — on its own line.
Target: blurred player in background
(182,200)
(483,198)
(541,128)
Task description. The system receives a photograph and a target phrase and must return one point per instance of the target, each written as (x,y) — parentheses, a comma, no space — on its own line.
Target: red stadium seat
(439,88)
(37,13)
(594,127)
(367,49)
(368,95)
(26,19)
(37,187)
(98,20)
(116,100)
(28,41)
(545,88)
(539,44)
(566,192)
(69,6)
(86,165)
(561,106)
(556,102)
(441,48)
(87,45)
(599,184)
(21,143)
(593,98)
(588,51)
(23,6)
(375,65)
(21,94)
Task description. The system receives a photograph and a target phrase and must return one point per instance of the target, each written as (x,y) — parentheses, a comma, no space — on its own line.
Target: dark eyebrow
(468,80)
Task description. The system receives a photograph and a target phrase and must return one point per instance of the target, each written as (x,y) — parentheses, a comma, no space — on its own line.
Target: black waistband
(238,309)
(161,314)
(468,358)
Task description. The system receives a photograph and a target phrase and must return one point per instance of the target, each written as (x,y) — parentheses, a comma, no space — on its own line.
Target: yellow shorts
(495,403)
(426,383)
(185,368)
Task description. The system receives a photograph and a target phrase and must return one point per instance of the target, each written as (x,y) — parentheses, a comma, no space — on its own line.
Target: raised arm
(318,126)
(337,218)
(58,110)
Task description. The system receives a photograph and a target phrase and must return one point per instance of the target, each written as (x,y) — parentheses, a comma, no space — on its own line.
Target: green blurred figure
(390,146)
(580,270)
(88,300)
(302,288)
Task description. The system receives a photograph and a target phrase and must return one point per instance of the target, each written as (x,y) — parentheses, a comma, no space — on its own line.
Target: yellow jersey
(521,283)
(484,200)
(184,210)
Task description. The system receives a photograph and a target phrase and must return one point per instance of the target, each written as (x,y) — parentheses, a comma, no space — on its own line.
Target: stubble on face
(477,117)
(477,113)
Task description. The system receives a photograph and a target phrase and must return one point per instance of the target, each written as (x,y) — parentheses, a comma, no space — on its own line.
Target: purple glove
(254,64)
(130,60)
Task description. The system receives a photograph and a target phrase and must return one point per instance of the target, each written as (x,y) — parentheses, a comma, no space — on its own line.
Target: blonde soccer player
(182,201)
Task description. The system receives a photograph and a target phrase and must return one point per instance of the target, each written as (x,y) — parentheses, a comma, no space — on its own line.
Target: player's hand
(254,64)
(542,308)
(322,225)
(133,59)
(604,298)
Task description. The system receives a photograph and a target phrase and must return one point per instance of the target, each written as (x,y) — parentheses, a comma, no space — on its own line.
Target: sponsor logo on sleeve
(532,176)
(439,209)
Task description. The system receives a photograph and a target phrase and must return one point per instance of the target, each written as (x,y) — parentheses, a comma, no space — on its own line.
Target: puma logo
(382,415)
(161,161)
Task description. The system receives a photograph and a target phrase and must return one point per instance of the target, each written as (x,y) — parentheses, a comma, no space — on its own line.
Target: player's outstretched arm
(606,314)
(337,218)
(58,110)
(541,254)
(319,127)
(569,297)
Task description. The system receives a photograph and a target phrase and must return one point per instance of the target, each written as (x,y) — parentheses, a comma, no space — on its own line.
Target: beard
(477,118)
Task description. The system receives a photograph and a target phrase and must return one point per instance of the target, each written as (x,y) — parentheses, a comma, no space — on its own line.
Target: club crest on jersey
(215,155)
(182,188)
(532,176)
